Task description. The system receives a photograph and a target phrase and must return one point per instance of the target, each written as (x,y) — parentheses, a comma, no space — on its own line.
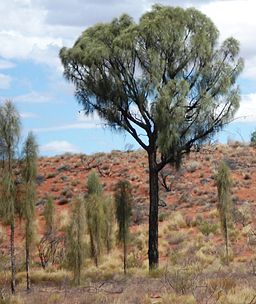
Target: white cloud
(26,115)
(247,110)
(5,64)
(236,18)
(48,25)
(59,146)
(73,126)
(5,81)
(33,97)
(250,67)
(93,118)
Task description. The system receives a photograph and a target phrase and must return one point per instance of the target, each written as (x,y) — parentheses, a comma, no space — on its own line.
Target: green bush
(253,138)
(206,228)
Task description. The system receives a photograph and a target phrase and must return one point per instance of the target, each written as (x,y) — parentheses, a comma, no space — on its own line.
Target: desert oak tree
(9,137)
(224,183)
(123,200)
(164,80)
(29,174)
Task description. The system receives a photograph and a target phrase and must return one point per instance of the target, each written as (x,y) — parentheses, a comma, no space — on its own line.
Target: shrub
(193,166)
(173,298)
(135,259)
(253,138)
(206,228)
(225,283)
(176,238)
(162,216)
(182,280)
(51,175)
(177,221)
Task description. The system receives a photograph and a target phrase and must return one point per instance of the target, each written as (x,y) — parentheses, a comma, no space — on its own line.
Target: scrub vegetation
(170,223)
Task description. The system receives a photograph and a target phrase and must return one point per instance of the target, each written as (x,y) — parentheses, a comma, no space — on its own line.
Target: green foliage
(224,183)
(7,196)
(169,61)
(253,138)
(29,160)
(123,199)
(108,231)
(49,215)
(9,137)
(9,132)
(161,80)
(100,217)
(29,173)
(93,184)
(206,228)
(75,239)
(95,216)
(96,224)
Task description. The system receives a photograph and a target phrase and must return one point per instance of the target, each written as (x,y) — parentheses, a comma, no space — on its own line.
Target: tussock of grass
(12,300)
(43,276)
(177,221)
(175,238)
(173,298)
(173,223)
(111,266)
(238,295)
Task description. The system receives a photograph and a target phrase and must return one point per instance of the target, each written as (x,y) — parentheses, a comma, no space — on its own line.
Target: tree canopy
(165,80)
(164,75)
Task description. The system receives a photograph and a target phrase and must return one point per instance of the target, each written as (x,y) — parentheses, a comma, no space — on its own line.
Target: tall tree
(29,173)
(109,217)
(76,239)
(123,199)
(9,137)
(224,183)
(95,216)
(164,80)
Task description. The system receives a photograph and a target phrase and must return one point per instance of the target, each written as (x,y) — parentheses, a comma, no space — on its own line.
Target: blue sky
(33,31)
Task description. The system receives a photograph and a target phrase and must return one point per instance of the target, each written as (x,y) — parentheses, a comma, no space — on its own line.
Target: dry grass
(190,239)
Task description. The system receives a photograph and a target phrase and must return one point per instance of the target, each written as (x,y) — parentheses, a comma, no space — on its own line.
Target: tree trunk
(125,255)
(27,264)
(13,268)
(79,264)
(226,242)
(153,211)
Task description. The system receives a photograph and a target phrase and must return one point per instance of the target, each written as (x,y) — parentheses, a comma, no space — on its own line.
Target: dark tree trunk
(13,268)
(153,211)
(125,255)
(94,249)
(79,264)
(226,240)
(27,264)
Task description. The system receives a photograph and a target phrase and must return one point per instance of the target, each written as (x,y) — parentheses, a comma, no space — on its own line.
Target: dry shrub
(193,166)
(12,300)
(55,278)
(177,221)
(175,238)
(238,295)
(135,259)
(225,284)
(182,280)
(178,299)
